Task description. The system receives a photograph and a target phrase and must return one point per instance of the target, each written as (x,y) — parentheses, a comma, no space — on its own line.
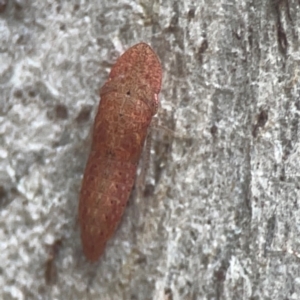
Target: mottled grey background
(220,218)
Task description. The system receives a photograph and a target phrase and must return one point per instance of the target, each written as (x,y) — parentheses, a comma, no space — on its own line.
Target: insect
(129,100)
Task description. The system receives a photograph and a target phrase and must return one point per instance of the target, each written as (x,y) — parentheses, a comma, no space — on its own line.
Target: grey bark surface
(220,217)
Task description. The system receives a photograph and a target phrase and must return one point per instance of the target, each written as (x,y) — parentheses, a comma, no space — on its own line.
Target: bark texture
(220,216)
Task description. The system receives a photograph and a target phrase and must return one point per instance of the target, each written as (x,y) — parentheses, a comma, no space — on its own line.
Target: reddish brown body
(129,100)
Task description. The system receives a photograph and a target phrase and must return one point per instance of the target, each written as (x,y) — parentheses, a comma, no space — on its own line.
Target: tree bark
(219,218)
